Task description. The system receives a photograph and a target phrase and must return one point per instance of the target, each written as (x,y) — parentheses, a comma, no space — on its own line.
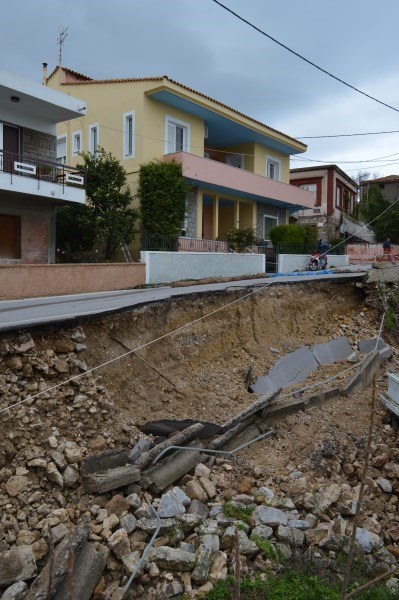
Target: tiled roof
(80,75)
(386,179)
(89,80)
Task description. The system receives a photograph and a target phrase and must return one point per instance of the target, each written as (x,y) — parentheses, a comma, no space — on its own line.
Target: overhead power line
(352,87)
(337,135)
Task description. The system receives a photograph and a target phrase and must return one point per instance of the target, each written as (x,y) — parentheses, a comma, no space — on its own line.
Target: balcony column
(216,217)
(237,214)
(200,214)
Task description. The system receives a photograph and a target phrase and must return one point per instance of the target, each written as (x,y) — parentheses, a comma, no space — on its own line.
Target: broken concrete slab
(328,353)
(87,569)
(177,464)
(370,344)
(323,396)
(142,446)
(288,370)
(113,479)
(364,374)
(259,405)
(165,427)
(17,564)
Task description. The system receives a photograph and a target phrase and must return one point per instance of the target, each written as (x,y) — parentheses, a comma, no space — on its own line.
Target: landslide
(199,371)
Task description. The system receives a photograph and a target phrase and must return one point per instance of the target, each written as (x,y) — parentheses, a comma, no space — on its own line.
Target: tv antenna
(62,36)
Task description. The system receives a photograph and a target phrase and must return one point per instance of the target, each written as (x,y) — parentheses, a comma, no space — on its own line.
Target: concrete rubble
(67,482)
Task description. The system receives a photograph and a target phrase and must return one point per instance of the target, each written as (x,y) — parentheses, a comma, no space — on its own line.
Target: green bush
(293,234)
(240,239)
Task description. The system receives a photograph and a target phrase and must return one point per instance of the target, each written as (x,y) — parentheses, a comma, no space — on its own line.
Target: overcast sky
(201,45)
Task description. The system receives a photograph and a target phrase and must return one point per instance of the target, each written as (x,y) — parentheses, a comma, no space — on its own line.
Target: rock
(172,558)
(53,474)
(15,592)
(290,535)
(16,484)
(39,549)
(170,506)
(134,501)
(195,491)
(202,470)
(170,589)
(204,562)
(368,541)
(208,486)
(17,564)
(128,522)
(131,560)
(71,476)
(218,570)
(384,485)
(109,523)
(181,496)
(266,492)
(39,463)
(198,508)
(247,546)
(269,516)
(118,505)
(26,538)
(263,532)
(119,543)
(59,532)
(73,453)
(211,541)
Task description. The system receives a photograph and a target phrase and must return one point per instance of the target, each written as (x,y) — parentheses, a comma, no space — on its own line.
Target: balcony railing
(178,243)
(41,170)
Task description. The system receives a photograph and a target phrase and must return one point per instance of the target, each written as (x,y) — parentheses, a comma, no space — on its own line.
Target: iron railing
(42,170)
(283,248)
(180,243)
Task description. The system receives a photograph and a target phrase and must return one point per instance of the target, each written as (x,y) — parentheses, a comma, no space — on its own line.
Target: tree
(106,221)
(162,193)
(383,216)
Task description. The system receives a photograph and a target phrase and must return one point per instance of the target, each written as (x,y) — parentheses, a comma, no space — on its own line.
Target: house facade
(389,186)
(32,183)
(334,193)
(238,168)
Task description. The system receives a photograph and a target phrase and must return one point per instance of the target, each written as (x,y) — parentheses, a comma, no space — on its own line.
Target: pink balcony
(212,174)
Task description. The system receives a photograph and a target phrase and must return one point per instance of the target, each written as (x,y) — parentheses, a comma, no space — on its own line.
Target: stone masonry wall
(191,213)
(272,211)
(36,144)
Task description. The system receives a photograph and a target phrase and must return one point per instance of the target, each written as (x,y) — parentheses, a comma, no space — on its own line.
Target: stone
(26,538)
(299,524)
(202,470)
(118,505)
(131,560)
(368,541)
(71,476)
(208,486)
(17,591)
(266,492)
(59,532)
(269,516)
(181,496)
(109,523)
(198,508)
(38,463)
(218,570)
(128,522)
(119,543)
(172,559)
(290,535)
(263,532)
(16,485)
(53,475)
(170,506)
(73,453)
(384,485)
(204,562)
(134,501)
(170,589)
(17,564)
(247,546)
(195,491)
(211,541)
(39,549)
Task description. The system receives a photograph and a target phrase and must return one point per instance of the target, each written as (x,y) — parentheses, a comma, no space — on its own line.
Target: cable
(337,135)
(346,161)
(303,58)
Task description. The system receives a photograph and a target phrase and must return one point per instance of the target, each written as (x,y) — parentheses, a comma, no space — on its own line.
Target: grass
(268,549)
(237,512)
(290,585)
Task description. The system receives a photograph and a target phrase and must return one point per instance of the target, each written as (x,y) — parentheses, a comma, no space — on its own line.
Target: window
(272,168)
(309,187)
(177,136)
(235,160)
(76,142)
(10,236)
(62,149)
(128,134)
(269,223)
(339,197)
(93,138)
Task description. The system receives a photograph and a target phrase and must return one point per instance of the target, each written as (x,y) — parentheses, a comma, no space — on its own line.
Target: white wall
(288,263)
(165,267)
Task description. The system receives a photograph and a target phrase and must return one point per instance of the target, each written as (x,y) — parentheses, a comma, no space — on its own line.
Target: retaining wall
(165,267)
(30,281)
(288,263)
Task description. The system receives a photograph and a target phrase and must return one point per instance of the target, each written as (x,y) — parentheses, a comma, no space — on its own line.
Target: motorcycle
(318,261)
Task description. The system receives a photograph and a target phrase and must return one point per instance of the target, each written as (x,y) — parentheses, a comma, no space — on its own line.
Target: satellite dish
(342,229)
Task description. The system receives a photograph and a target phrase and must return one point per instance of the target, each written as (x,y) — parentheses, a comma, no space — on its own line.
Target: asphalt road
(34,312)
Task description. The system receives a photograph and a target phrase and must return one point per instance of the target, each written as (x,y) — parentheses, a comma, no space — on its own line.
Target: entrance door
(11,137)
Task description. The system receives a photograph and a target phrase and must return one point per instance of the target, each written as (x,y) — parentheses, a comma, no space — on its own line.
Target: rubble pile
(304,513)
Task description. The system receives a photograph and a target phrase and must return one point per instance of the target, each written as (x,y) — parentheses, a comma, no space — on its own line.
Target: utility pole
(62,36)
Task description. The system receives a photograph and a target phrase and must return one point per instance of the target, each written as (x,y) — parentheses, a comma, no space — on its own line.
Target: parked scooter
(318,260)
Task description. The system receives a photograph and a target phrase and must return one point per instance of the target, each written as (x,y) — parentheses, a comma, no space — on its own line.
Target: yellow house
(238,168)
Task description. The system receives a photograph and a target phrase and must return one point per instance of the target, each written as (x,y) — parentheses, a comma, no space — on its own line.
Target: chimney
(44,74)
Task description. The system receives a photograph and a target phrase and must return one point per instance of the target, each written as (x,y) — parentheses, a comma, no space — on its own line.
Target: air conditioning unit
(205,132)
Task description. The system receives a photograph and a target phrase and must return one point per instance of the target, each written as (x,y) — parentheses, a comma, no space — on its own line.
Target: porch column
(200,215)
(237,214)
(215,217)
(254,217)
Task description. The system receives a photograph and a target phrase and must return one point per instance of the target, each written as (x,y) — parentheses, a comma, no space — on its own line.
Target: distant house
(389,186)
(238,168)
(334,193)
(32,183)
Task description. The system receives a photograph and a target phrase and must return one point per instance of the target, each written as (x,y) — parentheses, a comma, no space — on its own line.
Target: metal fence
(42,170)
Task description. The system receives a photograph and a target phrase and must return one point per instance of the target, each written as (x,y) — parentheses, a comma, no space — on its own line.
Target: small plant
(240,239)
(237,512)
(268,549)
(389,319)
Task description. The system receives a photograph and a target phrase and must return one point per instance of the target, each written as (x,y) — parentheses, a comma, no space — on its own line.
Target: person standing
(387,246)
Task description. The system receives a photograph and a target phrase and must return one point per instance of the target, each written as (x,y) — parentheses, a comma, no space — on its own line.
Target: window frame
(276,164)
(77,135)
(94,127)
(129,137)
(266,216)
(61,137)
(172,122)
(237,157)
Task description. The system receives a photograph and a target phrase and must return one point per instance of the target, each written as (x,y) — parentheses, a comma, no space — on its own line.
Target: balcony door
(11,146)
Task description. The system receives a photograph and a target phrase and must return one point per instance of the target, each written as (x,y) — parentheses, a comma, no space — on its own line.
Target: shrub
(240,239)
